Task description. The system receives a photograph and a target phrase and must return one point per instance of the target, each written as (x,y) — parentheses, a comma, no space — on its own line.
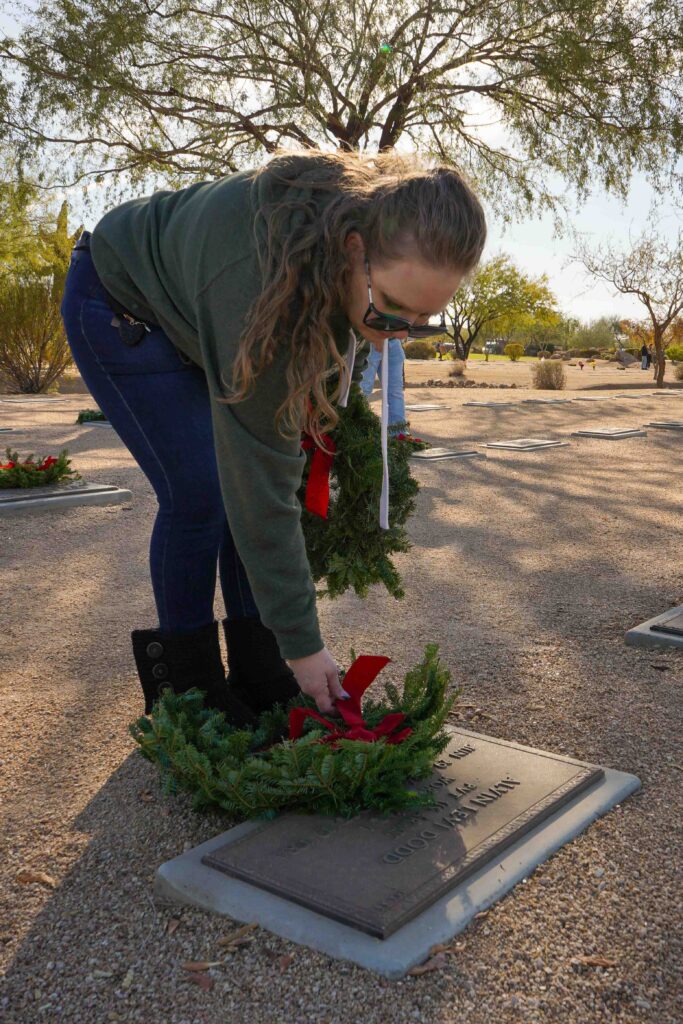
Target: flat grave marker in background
(490,405)
(60,495)
(611,433)
(10,400)
(527,444)
(665,630)
(426,407)
(381,891)
(591,398)
(547,401)
(436,454)
(666,424)
(6,430)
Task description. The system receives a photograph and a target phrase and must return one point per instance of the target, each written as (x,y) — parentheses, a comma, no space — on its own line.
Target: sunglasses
(387,323)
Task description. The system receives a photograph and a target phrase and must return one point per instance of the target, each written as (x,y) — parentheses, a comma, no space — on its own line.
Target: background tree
(34,258)
(652,270)
(598,333)
(497,293)
(20,217)
(194,90)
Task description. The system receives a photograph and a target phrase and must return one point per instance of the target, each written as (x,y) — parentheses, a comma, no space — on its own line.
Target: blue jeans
(395,396)
(158,403)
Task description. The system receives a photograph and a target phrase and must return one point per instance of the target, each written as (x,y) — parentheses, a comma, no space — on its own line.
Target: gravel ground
(526,569)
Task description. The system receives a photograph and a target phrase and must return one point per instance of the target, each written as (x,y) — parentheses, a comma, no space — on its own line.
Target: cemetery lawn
(527,569)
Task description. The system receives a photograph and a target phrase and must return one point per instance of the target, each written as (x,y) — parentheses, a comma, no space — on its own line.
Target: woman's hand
(318,677)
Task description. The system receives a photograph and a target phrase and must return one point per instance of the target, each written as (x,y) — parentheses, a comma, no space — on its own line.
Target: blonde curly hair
(306,204)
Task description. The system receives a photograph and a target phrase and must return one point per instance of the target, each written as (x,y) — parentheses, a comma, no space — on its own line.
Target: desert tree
(496,296)
(513,92)
(649,268)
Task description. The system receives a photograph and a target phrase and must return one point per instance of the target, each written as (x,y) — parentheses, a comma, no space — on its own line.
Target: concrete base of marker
(186,880)
(439,454)
(613,435)
(425,407)
(644,636)
(528,444)
(36,499)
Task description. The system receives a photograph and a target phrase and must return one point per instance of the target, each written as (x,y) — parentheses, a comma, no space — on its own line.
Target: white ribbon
(384,499)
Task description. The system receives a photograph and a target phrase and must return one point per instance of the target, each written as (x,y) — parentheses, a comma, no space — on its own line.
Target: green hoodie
(187,260)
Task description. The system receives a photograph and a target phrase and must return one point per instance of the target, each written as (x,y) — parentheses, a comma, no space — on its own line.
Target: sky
(603,218)
(533,244)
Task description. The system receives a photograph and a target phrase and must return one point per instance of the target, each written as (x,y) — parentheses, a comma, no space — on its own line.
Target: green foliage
(549,376)
(56,243)
(514,351)
(34,351)
(88,415)
(210,87)
(500,301)
(26,472)
(675,353)
(34,258)
(349,549)
(419,349)
(249,773)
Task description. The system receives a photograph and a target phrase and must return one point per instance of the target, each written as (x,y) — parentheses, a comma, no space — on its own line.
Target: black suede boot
(257,672)
(183,660)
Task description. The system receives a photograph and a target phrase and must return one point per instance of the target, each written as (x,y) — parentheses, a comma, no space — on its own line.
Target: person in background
(644,357)
(395,396)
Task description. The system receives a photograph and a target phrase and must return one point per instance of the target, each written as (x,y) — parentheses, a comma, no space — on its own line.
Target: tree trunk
(659,356)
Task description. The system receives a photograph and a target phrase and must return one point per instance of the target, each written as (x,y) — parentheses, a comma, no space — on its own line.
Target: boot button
(160,671)
(162,687)
(155,650)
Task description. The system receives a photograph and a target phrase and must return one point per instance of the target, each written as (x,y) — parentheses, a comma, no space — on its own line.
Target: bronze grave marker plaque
(376,873)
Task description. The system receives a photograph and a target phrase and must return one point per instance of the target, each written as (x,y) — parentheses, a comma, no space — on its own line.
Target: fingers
(337,691)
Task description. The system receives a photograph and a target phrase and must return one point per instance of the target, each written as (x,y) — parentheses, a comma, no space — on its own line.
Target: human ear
(354,246)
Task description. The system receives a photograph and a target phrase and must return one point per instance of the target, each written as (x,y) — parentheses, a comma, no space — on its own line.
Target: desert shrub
(549,376)
(34,351)
(675,353)
(679,372)
(419,349)
(458,369)
(514,351)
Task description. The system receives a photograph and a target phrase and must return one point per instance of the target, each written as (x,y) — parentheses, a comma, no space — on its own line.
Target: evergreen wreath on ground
(88,415)
(50,470)
(324,768)
(345,544)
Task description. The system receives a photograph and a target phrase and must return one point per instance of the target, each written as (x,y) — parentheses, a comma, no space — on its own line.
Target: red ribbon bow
(318,486)
(356,681)
(409,437)
(49,461)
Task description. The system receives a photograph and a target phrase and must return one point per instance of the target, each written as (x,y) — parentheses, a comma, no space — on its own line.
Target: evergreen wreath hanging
(340,496)
(363,759)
